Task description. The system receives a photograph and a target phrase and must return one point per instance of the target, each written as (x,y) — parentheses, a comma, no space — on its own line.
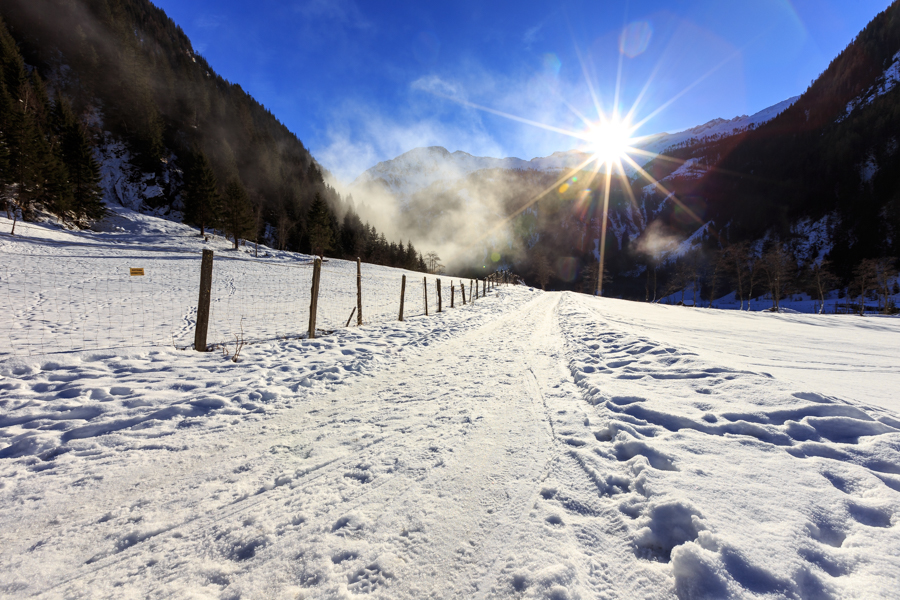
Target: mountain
(816,176)
(106,102)
(422,167)
(831,157)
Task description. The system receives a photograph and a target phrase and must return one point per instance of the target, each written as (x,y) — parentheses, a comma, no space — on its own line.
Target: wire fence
(65,302)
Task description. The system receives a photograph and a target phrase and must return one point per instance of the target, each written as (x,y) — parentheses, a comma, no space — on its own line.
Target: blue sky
(362,82)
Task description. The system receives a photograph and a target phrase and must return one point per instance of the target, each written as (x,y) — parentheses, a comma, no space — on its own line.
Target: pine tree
(318,219)
(5,172)
(410,258)
(28,153)
(11,63)
(200,192)
(78,157)
(352,239)
(236,213)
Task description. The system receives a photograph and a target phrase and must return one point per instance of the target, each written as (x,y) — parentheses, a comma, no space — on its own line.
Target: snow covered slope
(421,167)
(527,445)
(882,86)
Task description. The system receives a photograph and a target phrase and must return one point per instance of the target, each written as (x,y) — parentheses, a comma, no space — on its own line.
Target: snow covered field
(532,445)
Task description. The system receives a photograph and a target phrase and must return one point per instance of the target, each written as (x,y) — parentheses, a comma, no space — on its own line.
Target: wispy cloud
(359,136)
(438,86)
(209,21)
(532,34)
(345,12)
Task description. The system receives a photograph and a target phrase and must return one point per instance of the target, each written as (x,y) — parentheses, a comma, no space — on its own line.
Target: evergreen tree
(236,213)
(5,173)
(321,236)
(78,158)
(200,192)
(27,159)
(158,97)
(352,237)
(411,258)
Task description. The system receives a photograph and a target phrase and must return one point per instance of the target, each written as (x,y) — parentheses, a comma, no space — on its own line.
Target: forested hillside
(819,182)
(170,134)
(833,152)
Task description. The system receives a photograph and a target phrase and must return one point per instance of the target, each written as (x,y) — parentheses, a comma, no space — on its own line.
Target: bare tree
(433,263)
(885,276)
(719,266)
(779,268)
(864,281)
(685,275)
(822,280)
(541,268)
(736,258)
(260,225)
(652,264)
(283,227)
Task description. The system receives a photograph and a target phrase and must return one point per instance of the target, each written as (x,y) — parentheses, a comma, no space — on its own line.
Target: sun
(609,140)
(606,146)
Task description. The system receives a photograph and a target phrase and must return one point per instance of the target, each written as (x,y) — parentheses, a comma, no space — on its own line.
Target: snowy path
(530,446)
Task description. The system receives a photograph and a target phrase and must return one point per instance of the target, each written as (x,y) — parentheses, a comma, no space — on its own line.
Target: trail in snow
(530,446)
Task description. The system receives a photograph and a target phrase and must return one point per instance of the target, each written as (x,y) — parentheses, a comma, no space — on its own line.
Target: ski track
(525,446)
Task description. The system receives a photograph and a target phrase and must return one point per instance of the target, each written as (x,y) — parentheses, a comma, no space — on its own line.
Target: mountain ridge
(424,162)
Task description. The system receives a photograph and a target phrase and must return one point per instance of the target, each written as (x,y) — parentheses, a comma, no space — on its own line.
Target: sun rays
(611,146)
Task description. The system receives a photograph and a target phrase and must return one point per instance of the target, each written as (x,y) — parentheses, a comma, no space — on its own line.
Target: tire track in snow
(588,544)
(267,496)
(343,402)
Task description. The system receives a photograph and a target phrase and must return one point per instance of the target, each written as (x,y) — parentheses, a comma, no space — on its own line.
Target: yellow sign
(135,271)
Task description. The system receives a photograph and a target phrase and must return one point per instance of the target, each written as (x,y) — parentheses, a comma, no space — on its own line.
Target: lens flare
(567,268)
(635,38)
(552,64)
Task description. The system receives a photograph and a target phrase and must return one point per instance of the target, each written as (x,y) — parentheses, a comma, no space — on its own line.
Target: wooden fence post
(425,291)
(206,265)
(462,287)
(402,293)
(439,294)
(483,288)
(314,297)
(473,289)
(452,294)
(358,293)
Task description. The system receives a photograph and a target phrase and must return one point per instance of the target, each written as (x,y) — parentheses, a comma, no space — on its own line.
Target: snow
(420,168)
(527,445)
(885,84)
(691,169)
(717,128)
(812,239)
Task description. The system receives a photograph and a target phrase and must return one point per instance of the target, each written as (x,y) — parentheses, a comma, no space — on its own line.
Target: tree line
(46,155)
(772,271)
(228,163)
(207,205)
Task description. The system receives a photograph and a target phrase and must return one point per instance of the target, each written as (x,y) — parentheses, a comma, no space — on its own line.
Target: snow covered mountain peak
(422,167)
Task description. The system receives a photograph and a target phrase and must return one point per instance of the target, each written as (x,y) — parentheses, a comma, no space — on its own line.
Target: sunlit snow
(526,445)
